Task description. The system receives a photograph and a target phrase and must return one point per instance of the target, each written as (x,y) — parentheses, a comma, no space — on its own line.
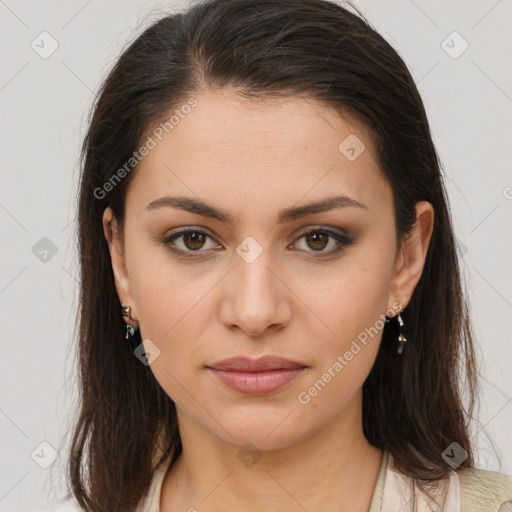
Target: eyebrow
(199,207)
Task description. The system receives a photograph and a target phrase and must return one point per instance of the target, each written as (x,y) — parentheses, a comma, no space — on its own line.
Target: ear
(411,259)
(122,282)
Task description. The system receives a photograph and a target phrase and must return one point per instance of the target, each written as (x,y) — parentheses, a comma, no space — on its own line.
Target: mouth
(264,363)
(257,376)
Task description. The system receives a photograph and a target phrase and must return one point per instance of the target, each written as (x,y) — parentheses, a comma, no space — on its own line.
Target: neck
(334,469)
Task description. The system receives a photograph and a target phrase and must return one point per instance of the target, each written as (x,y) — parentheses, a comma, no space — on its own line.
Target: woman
(272,316)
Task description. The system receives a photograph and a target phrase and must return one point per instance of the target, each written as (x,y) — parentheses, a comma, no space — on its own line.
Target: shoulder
(483,490)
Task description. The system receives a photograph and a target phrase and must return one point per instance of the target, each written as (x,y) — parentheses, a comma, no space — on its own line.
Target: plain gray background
(44,106)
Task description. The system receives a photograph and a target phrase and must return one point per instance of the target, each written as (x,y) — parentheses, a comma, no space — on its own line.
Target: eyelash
(343,240)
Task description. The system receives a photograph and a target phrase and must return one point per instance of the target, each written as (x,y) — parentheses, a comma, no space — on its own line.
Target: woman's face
(246,280)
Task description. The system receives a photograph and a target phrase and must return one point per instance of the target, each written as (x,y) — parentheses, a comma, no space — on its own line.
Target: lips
(257,376)
(265,363)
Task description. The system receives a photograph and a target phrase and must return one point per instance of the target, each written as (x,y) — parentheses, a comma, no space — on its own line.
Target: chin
(270,428)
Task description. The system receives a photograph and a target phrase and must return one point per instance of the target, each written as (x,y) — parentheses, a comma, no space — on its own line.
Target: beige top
(471,490)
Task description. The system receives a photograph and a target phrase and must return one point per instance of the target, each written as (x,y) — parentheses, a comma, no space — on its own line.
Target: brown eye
(192,243)
(193,240)
(188,242)
(317,240)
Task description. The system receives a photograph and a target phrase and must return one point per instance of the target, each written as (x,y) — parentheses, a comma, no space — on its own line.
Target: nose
(255,298)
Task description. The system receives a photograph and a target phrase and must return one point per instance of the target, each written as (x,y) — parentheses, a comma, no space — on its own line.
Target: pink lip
(257,376)
(246,364)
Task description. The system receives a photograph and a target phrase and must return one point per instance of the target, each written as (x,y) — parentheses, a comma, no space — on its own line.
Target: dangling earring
(402,340)
(130,329)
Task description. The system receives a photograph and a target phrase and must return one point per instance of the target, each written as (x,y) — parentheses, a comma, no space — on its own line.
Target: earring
(402,340)
(130,329)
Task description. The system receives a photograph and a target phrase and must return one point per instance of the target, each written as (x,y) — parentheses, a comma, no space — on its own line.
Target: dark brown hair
(316,49)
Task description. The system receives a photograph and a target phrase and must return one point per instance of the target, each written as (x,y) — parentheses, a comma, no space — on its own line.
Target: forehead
(224,119)
(268,152)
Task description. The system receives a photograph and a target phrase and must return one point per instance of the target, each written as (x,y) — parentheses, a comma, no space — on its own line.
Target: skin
(252,159)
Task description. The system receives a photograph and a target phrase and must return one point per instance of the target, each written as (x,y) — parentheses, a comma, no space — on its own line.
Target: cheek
(351,309)
(349,301)
(347,340)
(173,311)
(170,297)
